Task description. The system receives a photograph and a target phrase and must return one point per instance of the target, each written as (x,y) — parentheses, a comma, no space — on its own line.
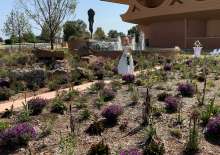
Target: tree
(134,32)
(29,37)
(16,26)
(76,29)
(91,14)
(115,34)
(49,14)
(1,40)
(99,34)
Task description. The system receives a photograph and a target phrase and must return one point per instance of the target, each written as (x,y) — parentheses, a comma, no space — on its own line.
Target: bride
(126,64)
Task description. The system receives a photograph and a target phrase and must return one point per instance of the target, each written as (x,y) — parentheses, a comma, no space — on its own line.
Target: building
(169,23)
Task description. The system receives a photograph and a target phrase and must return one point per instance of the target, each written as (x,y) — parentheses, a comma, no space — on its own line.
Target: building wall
(183,33)
(166,34)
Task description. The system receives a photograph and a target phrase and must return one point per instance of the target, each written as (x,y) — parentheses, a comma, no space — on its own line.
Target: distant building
(169,23)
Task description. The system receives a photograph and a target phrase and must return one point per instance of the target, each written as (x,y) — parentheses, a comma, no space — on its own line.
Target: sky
(107,14)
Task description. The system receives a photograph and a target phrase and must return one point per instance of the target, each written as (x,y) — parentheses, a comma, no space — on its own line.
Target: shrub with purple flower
(167,67)
(36,105)
(129,78)
(108,94)
(18,135)
(186,89)
(130,152)
(171,103)
(189,62)
(115,70)
(112,112)
(213,127)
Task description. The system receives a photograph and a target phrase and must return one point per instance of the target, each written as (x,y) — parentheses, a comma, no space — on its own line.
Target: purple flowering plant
(129,78)
(36,105)
(19,135)
(171,103)
(112,112)
(130,152)
(186,89)
(213,127)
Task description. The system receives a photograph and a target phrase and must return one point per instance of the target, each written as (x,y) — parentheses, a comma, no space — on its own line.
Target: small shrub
(135,97)
(58,106)
(189,63)
(99,149)
(112,113)
(24,116)
(36,105)
(85,114)
(53,85)
(97,86)
(192,145)
(186,89)
(167,67)
(8,112)
(5,93)
(171,103)
(130,152)
(18,135)
(3,126)
(210,111)
(107,94)
(213,127)
(162,96)
(176,133)
(155,147)
(47,126)
(99,102)
(67,96)
(130,78)
(67,144)
(116,85)
(96,128)
(115,70)
(123,125)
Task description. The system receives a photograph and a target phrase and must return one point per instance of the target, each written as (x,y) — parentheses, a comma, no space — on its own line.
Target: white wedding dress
(126,64)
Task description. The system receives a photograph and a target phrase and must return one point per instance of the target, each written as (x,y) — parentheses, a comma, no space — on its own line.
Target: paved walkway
(49,95)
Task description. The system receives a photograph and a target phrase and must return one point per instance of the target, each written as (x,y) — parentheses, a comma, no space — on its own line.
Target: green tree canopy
(133,31)
(29,37)
(99,34)
(76,29)
(115,34)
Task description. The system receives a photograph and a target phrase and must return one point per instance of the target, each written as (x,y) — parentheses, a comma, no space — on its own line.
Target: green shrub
(3,126)
(99,149)
(5,93)
(85,114)
(53,85)
(67,96)
(58,106)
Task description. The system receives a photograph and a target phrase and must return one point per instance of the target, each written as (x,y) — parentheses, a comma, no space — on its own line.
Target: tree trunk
(51,44)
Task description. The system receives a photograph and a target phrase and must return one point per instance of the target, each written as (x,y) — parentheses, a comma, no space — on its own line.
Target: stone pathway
(49,95)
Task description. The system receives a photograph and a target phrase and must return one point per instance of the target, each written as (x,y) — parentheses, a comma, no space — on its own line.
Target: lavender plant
(186,89)
(112,113)
(171,103)
(130,152)
(17,136)
(36,105)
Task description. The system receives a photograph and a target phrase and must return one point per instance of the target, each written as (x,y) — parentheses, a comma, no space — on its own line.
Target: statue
(126,64)
(197,49)
(91,14)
